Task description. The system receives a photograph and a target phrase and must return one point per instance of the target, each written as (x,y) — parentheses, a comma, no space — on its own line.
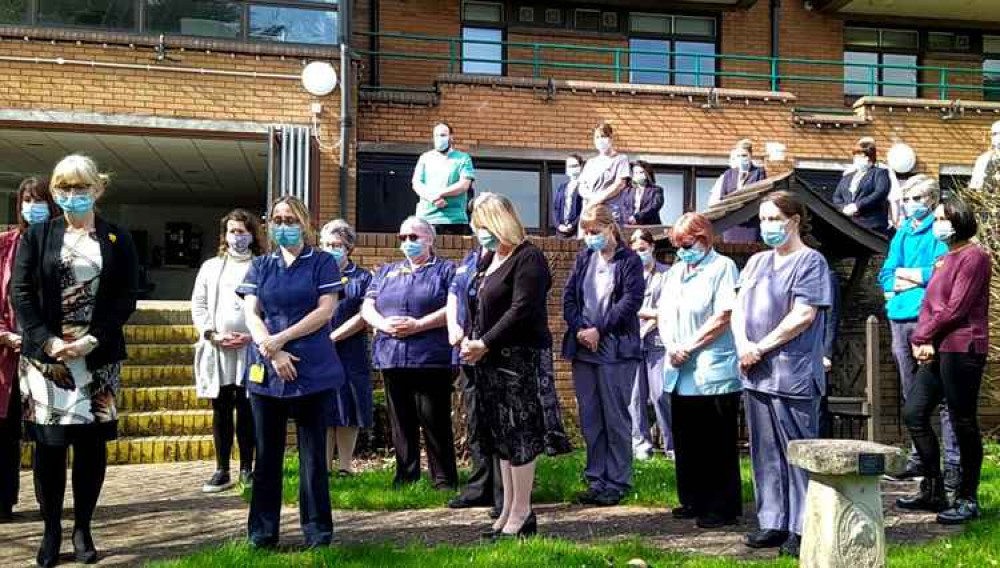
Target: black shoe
(791,546)
(263,544)
(766,538)
(931,497)
(683,512)
(528,528)
(83,547)
(608,498)
(491,534)
(912,471)
(952,479)
(48,552)
(220,482)
(963,511)
(557,443)
(463,502)
(588,497)
(495,513)
(714,522)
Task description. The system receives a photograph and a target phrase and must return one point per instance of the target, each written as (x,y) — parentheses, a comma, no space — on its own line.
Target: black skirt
(512,420)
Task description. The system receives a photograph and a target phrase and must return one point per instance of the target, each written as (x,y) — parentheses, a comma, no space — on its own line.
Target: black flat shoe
(608,498)
(588,497)
(791,546)
(714,522)
(463,502)
(931,497)
(963,511)
(912,471)
(48,552)
(683,512)
(528,528)
(766,538)
(83,547)
(495,513)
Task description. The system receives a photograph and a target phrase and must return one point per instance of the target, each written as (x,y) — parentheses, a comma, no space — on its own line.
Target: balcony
(976,12)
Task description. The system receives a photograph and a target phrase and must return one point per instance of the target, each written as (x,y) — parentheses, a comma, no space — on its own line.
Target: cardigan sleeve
(27,303)
(530,285)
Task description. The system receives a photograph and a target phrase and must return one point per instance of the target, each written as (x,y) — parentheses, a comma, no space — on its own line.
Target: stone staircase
(160,418)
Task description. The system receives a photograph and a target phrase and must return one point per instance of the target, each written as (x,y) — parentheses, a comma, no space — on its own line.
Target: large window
(880,62)
(991,67)
(672,50)
(293,25)
(14,11)
(195,18)
(522,186)
(482,38)
(109,14)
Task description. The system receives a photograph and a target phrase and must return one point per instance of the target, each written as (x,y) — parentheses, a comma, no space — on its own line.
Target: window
(293,25)
(991,67)
(672,50)
(673,183)
(107,14)
(587,20)
(880,62)
(947,41)
(486,12)
(482,51)
(521,186)
(703,190)
(206,18)
(14,12)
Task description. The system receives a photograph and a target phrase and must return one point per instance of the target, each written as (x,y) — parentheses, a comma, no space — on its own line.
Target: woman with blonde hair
(601,307)
(75,285)
(511,348)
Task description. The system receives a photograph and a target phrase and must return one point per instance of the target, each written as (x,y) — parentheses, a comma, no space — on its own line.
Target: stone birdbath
(844,527)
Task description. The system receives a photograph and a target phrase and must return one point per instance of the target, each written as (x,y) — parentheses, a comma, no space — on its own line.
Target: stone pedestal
(844,526)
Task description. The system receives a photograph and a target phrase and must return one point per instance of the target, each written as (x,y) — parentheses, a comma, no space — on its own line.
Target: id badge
(257,373)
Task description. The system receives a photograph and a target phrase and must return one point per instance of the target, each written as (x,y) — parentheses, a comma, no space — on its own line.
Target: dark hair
(650,174)
(451,131)
(38,190)
(605,129)
(963,220)
(253,226)
(579,159)
(790,206)
(866,147)
(644,235)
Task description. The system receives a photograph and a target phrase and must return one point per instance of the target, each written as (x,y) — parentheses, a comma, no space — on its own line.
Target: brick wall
(810,35)
(746,32)
(972,63)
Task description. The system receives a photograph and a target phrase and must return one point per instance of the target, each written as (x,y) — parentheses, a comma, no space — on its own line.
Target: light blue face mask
(76,204)
(412,249)
(487,239)
(442,143)
(597,242)
(34,212)
(944,231)
(646,256)
(774,233)
(338,253)
(916,209)
(691,255)
(286,235)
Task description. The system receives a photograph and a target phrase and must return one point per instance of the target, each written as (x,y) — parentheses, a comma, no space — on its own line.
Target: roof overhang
(682,5)
(978,11)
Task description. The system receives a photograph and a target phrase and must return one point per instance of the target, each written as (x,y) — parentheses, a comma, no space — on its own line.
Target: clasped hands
(401,327)
(63,351)
(272,348)
(923,353)
(750,355)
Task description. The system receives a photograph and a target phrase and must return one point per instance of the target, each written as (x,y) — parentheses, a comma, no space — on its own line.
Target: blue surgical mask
(602,144)
(338,253)
(646,256)
(34,212)
(239,244)
(691,255)
(861,163)
(487,239)
(916,209)
(76,204)
(774,233)
(442,143)
(944,231)
(286,235)
(744,164)
(412,249)
(597,242)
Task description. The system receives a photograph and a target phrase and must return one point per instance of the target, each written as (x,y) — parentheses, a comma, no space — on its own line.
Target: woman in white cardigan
(220,354)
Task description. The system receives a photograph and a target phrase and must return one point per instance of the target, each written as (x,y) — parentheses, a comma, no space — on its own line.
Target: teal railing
(700,69)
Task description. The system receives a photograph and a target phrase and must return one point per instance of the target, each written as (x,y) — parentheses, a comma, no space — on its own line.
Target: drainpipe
(775,9)
(346,92)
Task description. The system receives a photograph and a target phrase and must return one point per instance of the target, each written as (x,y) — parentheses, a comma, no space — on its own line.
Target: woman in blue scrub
(601,307)
(352,408)
(290,297)
(406,305)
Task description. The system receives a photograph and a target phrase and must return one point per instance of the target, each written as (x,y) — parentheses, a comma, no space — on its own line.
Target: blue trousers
(603,393)
(648,389)
(270,416)
(780,487)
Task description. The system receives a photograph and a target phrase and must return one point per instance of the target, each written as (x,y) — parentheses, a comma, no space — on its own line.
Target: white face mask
(442,142)
(573,171)
(639,177)
(602,143)
(861,163)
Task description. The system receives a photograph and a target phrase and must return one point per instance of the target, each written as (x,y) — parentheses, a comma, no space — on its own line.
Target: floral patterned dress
(67,393)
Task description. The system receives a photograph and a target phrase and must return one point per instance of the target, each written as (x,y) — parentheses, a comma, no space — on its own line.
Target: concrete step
(157,449)
(160,334)
(149,399)
(165,423)
(156,312)
(160,354)
(157,375)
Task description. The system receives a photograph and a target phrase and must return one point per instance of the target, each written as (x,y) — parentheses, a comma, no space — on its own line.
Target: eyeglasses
(914,198)
(71,189)
(410,237)
(284,221)
(688,245)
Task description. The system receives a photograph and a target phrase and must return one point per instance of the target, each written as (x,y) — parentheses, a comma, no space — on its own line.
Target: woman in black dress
(511,348)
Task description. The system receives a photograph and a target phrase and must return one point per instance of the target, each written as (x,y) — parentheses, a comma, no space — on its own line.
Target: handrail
(700,69)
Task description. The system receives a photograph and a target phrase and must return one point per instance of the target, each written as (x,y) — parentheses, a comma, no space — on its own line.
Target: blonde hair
(496,214)
(77,170)
(300,210)
(600,217)
(924,185)
(745,144)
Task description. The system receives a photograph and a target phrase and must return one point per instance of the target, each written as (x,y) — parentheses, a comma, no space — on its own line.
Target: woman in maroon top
(950,344)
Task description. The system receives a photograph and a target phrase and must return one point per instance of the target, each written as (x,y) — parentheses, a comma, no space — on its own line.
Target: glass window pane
(703,188)
(692,70)
(207,18)
(649,23)
(940,41)
(482,53)
(673,196)
(991,44)
(293,25)
(520,186)
(900,39)
(905,79)
(483,12)
(861,37)
(587,20)
(112,14)
(859,79)
(694,26)
(650,67)
(991,79)
(13,11)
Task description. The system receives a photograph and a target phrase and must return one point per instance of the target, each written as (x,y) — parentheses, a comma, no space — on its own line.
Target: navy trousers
(603,394)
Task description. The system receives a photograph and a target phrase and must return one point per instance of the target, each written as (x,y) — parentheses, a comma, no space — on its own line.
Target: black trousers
(420,399)
(90,462)
(232,397)
(453,229)
(10,451)
(954,378)
(485,482)
(707,454)
(270,418)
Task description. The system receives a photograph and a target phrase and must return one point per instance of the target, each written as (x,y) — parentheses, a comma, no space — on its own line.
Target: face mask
(597,242)
(691,255)
(734,163)
(442,143)
(573,171)
(639,178)
(239,244)
(944,231)
(338,253)
(916,209)
(412,249)
(34,212)
(286,235)
(602,144)
(744,164)
(861,163)
(76,204)
(487,239)
(646,256)
(774,233)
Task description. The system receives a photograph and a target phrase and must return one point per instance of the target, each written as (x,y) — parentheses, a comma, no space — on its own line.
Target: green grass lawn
(977,546)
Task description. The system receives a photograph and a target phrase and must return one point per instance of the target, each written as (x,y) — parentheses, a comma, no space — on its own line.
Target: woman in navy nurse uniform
(290,297)
(406,305)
